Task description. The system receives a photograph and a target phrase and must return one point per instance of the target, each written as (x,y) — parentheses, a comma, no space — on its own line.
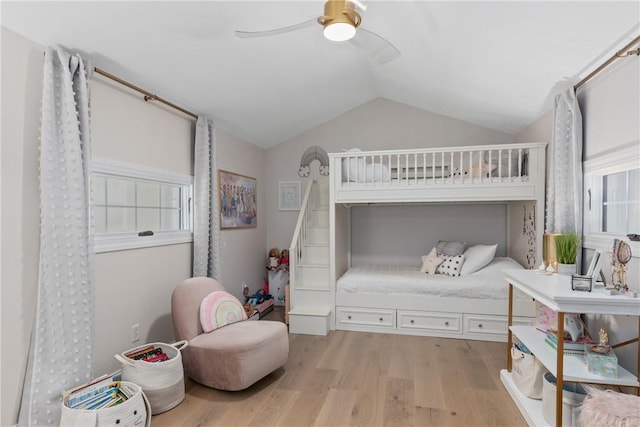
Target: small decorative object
(620,256)
(600,358)
(573,326)
(273,260)
(567,246)
(549,256)
(581,283)
(238,197)
(284,260)
(314,153)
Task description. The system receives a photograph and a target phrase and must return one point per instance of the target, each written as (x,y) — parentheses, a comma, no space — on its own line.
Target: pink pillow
(220,308)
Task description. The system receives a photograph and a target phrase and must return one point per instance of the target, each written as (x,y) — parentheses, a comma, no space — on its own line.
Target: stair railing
(300,236)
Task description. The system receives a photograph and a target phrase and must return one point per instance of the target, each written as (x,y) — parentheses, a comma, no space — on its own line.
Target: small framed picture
(289,195)
(237,194)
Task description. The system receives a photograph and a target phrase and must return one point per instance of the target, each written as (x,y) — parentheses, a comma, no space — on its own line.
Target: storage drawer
(491,325)
(428,321)
(375,317)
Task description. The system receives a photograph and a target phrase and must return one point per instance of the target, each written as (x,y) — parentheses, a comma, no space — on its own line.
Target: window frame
(119,241)
(622,159)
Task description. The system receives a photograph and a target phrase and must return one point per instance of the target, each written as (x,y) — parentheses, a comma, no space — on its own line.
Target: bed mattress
(486,283)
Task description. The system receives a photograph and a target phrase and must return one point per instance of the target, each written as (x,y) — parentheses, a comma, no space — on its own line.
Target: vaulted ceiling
(494,64)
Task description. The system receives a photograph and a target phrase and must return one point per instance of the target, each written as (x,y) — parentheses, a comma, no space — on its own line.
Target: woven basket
(133,412)
(162,382)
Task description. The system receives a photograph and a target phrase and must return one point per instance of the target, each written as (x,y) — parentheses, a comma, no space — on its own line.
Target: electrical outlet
(135,332)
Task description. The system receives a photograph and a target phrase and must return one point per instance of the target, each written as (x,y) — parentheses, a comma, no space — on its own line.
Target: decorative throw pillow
(431,262)
(220,308)
(451,266)
(476,257)
(450,248)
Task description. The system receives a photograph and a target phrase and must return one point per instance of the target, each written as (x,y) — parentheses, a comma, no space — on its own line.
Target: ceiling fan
(341,22)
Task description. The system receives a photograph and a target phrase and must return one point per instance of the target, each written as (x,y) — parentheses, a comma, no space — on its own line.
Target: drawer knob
(446,323)
(479,325)
(381,319)
(349,317)
(412,321)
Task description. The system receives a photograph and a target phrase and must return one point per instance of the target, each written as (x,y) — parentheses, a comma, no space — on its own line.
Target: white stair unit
(311,296)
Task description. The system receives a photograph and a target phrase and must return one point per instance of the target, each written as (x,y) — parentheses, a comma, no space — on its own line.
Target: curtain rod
(148,96)
(622,53)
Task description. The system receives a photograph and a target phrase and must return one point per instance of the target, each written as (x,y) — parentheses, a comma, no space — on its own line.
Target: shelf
(531,409)
(575,368)
(554,291)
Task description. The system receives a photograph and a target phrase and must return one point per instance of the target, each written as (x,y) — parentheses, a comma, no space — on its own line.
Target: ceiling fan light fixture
(340,20)
(339,31)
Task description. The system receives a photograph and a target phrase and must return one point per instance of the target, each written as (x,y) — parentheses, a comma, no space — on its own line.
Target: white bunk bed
(488,173)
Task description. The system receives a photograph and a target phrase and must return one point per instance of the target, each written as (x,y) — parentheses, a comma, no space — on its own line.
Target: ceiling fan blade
(274,32)
(377,47)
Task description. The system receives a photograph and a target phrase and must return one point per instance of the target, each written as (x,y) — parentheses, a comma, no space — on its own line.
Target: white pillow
(476,257)
(451,266)
(352,167)
(431,262)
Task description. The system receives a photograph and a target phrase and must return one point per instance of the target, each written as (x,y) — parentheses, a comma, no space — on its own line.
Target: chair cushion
(237,355)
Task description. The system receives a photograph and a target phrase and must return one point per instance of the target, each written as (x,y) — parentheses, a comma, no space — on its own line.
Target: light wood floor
(363,379)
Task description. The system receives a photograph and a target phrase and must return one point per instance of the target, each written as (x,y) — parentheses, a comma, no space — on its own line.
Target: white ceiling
(494,64)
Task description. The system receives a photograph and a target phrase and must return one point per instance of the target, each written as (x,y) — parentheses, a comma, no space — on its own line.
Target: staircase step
(313,276)
(309,320)
(315,254)
(318,235)
(319,218)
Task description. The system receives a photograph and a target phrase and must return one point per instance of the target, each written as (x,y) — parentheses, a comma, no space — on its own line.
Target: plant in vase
(567,246)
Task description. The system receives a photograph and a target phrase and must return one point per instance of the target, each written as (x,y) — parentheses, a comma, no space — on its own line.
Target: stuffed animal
(475,171)
(274,259)
(573,326)
(284,260)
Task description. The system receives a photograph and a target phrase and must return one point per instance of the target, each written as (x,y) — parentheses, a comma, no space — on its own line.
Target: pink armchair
(229,358)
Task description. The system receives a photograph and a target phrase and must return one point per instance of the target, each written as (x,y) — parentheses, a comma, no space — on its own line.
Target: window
(612,198)
(135,206)
(620,213)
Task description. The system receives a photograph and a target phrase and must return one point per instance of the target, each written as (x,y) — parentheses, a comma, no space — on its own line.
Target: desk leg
(559,369)
(509,334)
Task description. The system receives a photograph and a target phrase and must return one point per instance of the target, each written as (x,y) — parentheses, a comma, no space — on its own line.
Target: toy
(274,259)
(474,171)
(258,297)
(284,260)
(573,326)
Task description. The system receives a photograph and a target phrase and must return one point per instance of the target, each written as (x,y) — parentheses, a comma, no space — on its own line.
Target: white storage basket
(572,396)
(131,413)
(162,382)
(527,373)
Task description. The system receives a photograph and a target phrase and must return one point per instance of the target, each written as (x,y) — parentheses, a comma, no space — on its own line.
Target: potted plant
(567,246)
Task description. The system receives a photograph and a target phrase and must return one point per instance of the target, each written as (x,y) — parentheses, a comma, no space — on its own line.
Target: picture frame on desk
(585,282)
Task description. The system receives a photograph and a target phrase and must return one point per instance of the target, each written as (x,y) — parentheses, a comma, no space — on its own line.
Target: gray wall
(135,284)
(379,233)
(610,106)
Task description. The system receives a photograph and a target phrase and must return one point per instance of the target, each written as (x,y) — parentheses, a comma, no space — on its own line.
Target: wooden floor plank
(337,408)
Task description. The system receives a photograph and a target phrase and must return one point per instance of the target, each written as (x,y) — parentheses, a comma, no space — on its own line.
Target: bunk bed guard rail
(509,165)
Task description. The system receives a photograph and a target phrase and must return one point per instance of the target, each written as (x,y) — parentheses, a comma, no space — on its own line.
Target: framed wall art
(289,195)
(237,194)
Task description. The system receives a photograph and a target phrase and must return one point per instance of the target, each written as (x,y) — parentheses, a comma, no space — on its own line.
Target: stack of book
(149,353)
(570,347)
(101,393)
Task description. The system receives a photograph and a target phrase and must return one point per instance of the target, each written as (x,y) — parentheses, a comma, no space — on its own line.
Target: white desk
(555,292)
